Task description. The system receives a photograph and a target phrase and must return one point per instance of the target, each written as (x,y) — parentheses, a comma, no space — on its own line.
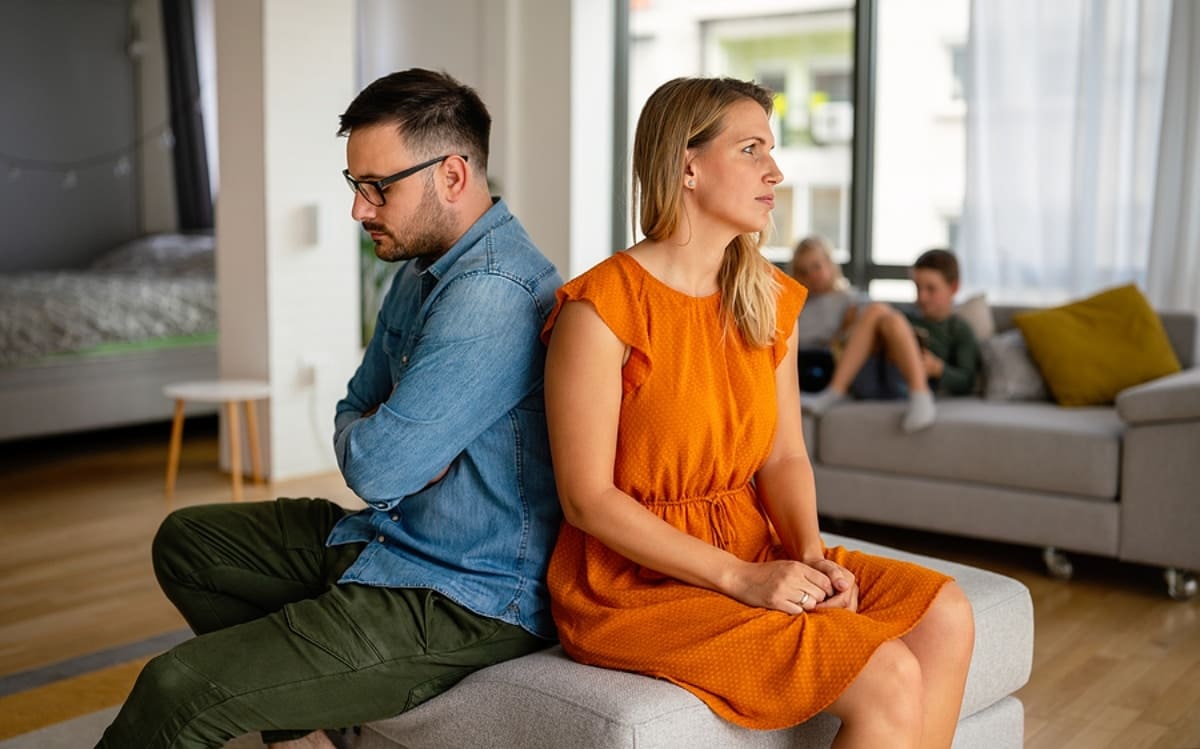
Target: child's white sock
(822,401)
(921,412)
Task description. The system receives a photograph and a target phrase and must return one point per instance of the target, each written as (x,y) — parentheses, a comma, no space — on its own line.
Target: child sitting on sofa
(832,303)
(889,355)
(828,314)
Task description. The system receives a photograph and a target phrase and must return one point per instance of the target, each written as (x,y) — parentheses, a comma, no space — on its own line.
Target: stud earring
(691,183)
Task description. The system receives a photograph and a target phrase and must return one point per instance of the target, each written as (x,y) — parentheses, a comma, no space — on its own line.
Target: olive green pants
(280,647)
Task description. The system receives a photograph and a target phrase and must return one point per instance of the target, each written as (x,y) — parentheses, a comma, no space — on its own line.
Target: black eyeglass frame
(380,184)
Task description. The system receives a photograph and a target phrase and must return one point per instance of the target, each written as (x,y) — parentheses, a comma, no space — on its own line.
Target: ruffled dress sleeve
(787,309)
(618,296)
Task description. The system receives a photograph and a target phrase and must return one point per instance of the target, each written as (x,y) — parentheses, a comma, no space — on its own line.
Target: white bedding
(152,288)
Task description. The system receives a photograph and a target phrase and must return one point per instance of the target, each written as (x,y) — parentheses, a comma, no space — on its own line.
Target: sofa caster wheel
(1058,565)
(1181,584)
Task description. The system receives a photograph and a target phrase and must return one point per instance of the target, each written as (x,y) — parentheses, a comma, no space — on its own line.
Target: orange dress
(697,421)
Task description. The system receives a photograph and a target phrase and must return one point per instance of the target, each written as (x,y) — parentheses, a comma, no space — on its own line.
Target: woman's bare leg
(884,706)
(942,643)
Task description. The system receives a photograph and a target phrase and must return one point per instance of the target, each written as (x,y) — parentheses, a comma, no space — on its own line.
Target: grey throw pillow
(1009,371)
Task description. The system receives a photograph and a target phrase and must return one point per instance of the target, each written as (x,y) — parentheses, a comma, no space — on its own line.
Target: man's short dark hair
(942,261)
(435,114)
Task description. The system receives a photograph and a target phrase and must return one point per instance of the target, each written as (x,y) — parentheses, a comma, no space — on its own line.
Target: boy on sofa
(889,355)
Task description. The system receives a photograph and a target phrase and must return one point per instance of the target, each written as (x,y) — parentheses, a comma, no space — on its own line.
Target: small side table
(229,393)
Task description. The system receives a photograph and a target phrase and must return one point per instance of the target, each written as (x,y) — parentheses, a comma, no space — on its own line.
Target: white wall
(287,260)
(590,93)
(544,69)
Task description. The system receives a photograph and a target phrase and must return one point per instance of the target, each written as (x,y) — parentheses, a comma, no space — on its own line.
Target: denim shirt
(455,366)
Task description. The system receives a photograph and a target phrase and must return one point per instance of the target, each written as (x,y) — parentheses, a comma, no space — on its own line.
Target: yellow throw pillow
(1090,350)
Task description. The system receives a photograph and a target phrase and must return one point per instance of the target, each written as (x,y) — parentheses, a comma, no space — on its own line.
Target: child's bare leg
(862,341)
(900,345)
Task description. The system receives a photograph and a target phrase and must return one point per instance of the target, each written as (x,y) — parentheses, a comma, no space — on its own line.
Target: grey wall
(66,94)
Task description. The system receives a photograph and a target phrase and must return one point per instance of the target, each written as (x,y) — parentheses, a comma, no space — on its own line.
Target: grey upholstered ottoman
(547,701)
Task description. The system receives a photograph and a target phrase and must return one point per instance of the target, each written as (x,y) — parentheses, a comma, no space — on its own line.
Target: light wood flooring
(1116,662)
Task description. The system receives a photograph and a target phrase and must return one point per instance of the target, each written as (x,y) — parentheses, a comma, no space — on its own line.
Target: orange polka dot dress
(697,421)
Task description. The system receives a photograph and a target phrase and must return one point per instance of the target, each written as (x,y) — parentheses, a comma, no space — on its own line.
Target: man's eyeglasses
(372,189)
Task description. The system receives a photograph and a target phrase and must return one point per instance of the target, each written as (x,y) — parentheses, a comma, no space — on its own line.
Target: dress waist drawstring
(718,513)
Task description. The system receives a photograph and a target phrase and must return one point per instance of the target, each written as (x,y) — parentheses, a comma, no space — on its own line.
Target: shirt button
(381,505)
(404,359)
(396,518)
(380,539)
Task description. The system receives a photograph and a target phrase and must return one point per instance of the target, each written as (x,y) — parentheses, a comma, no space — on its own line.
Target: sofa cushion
(1008,371)
(976,313)
(1035,446)
(546,700)
(1092,349)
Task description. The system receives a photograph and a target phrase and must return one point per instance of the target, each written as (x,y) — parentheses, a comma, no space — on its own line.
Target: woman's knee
(952,616)
(887,692)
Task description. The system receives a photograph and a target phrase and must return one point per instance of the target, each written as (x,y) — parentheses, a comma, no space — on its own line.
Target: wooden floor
(1116,662)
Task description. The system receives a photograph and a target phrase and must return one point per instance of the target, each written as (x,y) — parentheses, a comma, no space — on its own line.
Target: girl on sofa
(674,414)
(828,313)
(832,304)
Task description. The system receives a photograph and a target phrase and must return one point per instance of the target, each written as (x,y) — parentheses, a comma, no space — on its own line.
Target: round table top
(218,391)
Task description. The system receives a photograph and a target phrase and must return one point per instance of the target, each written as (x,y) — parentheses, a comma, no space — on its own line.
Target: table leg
(252,437)
(176,446)
(233,431)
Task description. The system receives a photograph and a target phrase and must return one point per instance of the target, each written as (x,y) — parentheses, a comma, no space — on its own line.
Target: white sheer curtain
(1064,108)
(1173,278)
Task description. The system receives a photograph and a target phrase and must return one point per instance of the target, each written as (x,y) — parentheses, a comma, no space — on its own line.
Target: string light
(120,159)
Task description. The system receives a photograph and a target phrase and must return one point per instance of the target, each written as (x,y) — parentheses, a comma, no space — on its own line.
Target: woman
(674,415)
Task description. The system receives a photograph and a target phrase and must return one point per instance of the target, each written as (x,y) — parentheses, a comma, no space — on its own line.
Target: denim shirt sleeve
(476,356)
(367,388)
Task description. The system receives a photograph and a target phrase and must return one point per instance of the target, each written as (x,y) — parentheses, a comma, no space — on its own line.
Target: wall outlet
(306,371)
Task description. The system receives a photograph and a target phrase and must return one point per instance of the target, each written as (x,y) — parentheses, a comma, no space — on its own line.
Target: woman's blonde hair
(817,243)
(688,113)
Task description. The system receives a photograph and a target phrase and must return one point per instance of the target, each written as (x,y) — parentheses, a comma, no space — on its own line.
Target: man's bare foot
(315,740)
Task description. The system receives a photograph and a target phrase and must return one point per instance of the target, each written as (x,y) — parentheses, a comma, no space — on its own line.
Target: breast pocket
(395,346)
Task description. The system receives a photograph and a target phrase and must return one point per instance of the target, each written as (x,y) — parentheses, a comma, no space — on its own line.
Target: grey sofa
(547,701)
(1121,481)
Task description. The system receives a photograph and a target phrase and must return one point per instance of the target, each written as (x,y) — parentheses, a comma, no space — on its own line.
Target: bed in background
(93,348)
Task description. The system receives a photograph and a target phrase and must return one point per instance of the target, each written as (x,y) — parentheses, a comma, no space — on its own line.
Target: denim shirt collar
(494,217)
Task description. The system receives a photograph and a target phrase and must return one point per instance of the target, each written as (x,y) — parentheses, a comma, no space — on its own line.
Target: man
(309,617)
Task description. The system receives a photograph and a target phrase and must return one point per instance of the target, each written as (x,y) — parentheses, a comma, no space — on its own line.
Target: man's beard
(429,236)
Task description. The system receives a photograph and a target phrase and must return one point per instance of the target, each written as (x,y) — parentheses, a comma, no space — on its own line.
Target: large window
(919,136)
